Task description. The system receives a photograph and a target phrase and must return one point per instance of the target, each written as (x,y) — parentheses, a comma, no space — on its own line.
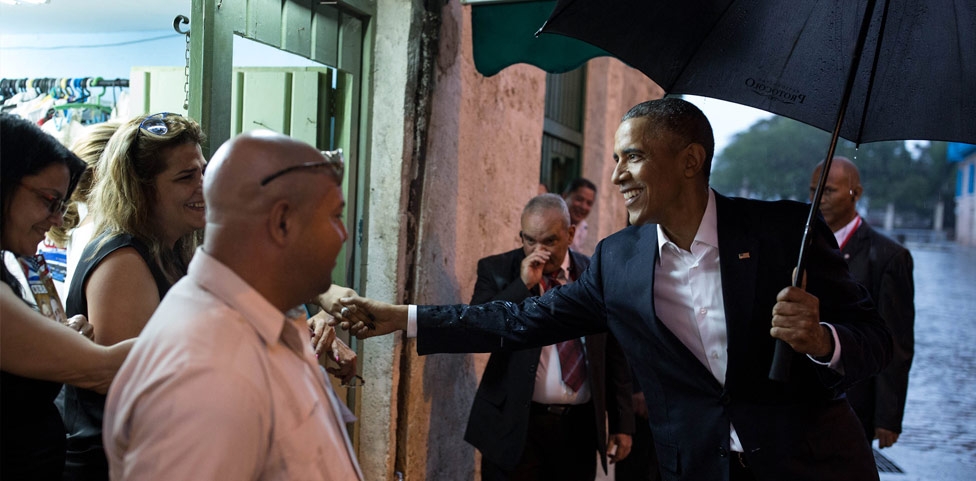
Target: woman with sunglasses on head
(148,207)
(36,353)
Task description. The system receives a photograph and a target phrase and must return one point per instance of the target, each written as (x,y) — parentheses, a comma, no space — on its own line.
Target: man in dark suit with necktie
(696,291)
(885,268)
(541,413)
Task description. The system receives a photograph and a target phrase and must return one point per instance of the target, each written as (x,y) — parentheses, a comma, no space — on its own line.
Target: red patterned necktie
(572,362)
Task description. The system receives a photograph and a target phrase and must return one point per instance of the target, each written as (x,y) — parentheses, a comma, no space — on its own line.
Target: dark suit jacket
(800,430)
(885,268)
(499,421)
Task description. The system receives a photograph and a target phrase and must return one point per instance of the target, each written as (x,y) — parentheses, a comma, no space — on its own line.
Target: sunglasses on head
(333,159)
(156,123)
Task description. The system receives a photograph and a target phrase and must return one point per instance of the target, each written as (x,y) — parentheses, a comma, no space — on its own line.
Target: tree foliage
(775,158)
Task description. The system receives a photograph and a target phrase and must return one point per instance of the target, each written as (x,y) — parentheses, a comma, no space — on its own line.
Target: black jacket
(885,268)
(800,430)
(498,424)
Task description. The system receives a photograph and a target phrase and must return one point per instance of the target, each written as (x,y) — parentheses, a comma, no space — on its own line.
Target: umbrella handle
(782,362)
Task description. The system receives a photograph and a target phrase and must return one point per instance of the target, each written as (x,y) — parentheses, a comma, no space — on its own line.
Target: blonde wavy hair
(123,198)
(88,148)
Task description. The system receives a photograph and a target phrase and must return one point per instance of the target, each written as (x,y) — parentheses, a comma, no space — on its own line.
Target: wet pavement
(938,440)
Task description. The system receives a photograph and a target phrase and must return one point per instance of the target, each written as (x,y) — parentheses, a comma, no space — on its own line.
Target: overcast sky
(727,118)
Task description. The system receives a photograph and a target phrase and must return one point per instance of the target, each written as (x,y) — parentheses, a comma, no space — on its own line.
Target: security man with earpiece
(884,267)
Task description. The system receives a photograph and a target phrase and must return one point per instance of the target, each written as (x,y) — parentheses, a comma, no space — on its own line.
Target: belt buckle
(557,410)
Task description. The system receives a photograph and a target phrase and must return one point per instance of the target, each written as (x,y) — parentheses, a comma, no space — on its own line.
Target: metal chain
(184,20)
(186,76)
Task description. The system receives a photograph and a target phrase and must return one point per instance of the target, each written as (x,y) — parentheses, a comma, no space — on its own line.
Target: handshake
(361,316)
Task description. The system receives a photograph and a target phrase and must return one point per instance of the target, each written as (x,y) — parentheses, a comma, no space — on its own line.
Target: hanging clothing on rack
(33,99)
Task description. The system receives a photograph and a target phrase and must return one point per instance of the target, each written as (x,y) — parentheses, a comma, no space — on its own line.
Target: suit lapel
(856,253)
(577,264)
(858,242)
(641,269)
(738,250)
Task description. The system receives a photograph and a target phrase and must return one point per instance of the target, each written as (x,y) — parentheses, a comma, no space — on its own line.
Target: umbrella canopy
(866,70)
(915,79)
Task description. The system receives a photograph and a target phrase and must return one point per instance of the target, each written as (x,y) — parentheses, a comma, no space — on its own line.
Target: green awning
(504,34)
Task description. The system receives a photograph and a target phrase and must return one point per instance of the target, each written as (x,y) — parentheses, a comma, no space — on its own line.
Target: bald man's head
(274,209)
(841,192)
(844,167)
(233,184)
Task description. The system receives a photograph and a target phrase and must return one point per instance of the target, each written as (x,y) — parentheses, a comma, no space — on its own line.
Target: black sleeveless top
(32,443)
(82,409)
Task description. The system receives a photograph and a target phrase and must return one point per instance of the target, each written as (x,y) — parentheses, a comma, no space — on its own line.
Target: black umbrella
(865,70)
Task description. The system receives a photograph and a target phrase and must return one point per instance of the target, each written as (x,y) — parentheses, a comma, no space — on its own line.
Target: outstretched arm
(36,347)
(565,312)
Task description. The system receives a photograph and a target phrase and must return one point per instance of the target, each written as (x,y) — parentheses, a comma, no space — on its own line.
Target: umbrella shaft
(782,353)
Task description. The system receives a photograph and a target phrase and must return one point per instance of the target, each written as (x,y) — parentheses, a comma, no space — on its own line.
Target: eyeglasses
(333,158)
(55,203)
(156,123)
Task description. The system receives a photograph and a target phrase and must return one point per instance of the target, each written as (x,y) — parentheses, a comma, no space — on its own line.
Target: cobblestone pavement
(938,441)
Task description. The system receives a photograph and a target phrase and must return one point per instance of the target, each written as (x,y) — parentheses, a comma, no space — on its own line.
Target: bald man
(222,383)
(885,268)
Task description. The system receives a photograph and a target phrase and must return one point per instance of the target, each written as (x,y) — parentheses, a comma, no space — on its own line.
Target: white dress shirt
(549,385)
(221,385)
(688,296)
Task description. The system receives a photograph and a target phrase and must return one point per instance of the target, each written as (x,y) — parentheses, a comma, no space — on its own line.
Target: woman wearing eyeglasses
(36,353)
(148,207)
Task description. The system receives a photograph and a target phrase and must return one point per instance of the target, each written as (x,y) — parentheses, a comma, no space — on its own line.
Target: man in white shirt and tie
(222,383)
(541,413)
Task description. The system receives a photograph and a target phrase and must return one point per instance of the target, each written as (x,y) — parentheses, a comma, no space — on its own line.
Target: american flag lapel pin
(743,255)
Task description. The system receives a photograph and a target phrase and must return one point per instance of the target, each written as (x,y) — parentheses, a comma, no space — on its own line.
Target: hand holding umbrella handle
(782,352)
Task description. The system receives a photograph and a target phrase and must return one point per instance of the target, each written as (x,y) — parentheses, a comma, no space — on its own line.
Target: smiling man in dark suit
(885,268)
(540,413)
(696,291)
